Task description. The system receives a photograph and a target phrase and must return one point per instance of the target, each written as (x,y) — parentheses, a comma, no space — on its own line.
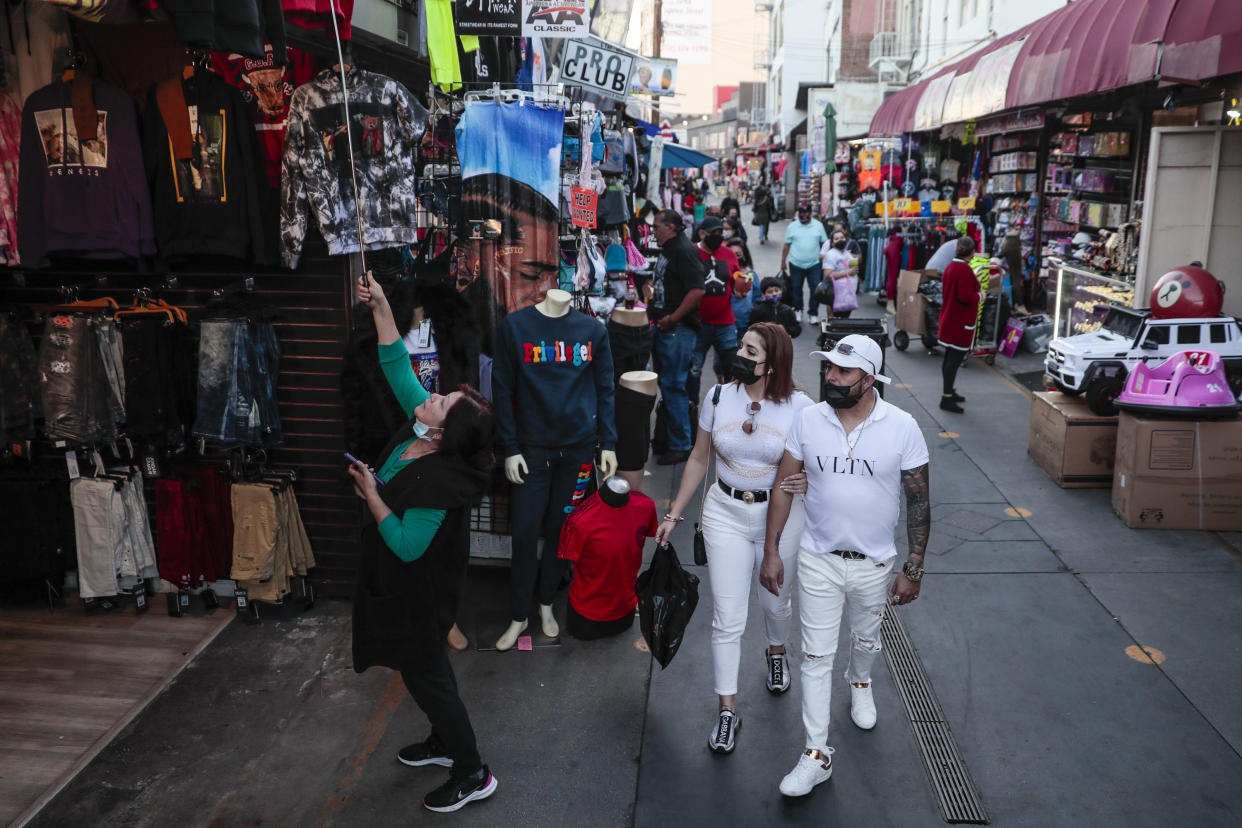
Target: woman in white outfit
(745,429)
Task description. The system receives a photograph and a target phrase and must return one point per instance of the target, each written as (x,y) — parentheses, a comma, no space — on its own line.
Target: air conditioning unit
(403,37)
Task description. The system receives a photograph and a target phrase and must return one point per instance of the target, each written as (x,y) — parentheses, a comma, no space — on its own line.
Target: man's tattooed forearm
(915,483)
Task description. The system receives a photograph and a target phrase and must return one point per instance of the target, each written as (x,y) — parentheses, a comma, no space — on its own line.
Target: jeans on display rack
(237,367)
(159,376)
(77,396)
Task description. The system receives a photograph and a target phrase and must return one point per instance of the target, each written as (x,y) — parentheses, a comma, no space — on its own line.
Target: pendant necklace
(857,437)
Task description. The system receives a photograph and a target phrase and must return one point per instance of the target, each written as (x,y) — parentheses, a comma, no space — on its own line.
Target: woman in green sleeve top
(415,550)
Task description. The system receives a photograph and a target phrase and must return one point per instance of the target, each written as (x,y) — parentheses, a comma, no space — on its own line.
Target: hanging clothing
(40,35)
(113,533)
(82,198)
(388,126)
(313,14)
(241,26)
(10,162)
(207,204)
(19,383)
(238,362)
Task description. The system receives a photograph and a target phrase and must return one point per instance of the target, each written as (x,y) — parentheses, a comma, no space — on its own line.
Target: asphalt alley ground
(1090,674)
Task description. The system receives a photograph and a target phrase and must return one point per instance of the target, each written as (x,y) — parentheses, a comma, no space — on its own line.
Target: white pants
(828,587)
(734,533)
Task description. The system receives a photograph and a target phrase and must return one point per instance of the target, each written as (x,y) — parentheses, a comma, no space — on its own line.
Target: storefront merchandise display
(20,402)
(10,160)
(238,361)
(80,381)
(113,532)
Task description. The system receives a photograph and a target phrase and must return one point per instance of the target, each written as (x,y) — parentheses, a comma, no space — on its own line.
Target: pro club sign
(597,66)
(556,18)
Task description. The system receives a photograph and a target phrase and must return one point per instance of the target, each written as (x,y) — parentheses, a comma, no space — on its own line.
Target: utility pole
(656,36)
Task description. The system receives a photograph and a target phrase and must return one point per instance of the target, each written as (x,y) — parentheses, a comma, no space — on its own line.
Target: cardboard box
(1178,474)
(1075,446)
(911,303)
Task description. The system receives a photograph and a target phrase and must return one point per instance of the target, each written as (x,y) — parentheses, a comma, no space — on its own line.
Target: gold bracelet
(674,519)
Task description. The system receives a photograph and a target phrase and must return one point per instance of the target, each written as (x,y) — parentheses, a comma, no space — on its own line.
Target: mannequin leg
(568,470)
(527,505)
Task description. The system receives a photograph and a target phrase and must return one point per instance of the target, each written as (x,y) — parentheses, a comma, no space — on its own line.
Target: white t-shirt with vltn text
(855,503)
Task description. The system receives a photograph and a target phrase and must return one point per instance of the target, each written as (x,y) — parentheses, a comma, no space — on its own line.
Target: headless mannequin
(615,492)
(555,305)
(644,382)
(631,317)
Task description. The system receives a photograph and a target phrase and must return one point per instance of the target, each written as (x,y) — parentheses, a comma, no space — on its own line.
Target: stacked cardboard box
(1075,446)
(1178,474)
(911,303)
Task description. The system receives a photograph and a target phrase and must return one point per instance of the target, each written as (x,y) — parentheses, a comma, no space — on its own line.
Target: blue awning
(679,156)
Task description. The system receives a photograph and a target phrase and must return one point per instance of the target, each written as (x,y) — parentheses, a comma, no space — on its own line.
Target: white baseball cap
(856,351)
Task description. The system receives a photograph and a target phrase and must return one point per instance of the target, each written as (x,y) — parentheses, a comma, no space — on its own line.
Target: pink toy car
(1189,385)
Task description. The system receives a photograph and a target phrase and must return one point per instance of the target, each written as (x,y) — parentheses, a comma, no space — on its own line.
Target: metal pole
(349,140)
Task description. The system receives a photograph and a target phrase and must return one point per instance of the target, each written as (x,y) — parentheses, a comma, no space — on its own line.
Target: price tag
(71,462)
(242,597)
(902,205)
(965,204)
(941,207)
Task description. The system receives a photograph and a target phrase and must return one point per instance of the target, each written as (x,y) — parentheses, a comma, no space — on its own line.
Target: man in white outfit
(860,454)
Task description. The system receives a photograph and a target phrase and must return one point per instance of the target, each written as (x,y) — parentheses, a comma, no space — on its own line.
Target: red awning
(1086,47)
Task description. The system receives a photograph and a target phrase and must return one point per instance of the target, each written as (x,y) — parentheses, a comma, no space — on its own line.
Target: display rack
(1083,298)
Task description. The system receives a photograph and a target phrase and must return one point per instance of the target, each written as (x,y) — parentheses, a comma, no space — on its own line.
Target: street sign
(597,67)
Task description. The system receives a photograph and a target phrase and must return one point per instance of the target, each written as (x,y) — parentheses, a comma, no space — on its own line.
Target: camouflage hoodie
(388,123)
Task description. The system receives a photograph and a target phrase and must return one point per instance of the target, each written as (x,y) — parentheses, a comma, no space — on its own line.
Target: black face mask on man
(840,396)
(713,241)
(743,370)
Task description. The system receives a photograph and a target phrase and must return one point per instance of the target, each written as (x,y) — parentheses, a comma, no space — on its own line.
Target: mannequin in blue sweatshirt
(553,386)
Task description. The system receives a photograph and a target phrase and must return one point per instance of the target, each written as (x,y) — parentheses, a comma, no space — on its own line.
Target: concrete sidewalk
(1036,603)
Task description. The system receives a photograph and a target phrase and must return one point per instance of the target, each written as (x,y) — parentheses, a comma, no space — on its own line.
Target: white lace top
(748,461)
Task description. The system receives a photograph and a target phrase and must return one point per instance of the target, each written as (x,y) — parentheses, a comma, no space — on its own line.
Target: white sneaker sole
(482,793)
(442,761)
(801,792)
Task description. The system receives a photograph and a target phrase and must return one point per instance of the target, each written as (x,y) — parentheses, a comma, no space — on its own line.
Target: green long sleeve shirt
(410,535)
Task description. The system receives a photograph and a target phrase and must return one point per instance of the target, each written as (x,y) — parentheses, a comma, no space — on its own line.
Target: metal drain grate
(950,778)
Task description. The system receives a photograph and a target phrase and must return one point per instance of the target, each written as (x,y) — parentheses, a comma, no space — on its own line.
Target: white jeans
(828,587)
(734,533)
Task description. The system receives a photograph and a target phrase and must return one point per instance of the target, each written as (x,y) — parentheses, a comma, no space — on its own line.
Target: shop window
(1188,334)
(1218,333)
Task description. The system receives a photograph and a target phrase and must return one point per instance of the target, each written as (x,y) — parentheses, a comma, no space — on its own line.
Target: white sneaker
(862,706)
(547,621)
(813,767)
(510,636)
(813,319)
(798,316)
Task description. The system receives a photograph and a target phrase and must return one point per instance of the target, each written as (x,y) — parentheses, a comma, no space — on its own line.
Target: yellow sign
(901,205)
(965,204)
(942,206)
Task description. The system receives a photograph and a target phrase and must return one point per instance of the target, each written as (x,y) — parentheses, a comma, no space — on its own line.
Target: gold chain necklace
(857,436)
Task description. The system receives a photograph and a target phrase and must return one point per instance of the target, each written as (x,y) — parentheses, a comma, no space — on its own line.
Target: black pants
(631,347)
(633,414)
(952,361)
(434,687)
(556,481)
(585,629)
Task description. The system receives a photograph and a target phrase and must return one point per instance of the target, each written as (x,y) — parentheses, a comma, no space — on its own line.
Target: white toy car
(1098,363)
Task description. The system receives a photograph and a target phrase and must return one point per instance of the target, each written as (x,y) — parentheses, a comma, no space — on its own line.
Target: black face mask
(743,370)
(713,241)
(839,396)
(839,245)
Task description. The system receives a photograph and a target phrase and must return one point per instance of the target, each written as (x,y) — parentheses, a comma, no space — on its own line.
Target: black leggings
(434,687)
(952,361)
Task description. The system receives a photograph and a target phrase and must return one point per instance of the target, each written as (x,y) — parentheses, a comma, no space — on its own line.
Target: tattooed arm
(916,485)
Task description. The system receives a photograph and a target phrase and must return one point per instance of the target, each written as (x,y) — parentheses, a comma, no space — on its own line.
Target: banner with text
(495,18)
(597,66)
(687,31)
(654,76)
(555,18)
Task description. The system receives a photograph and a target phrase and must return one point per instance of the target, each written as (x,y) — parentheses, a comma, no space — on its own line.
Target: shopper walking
(840,269)
(744,425)
(860,455)
(800,257)
(717,325)
(673,304)
(762,212)
(959,314)
(414,555)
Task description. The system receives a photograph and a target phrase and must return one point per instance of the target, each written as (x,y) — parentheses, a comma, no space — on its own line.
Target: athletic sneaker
(862,706)
(813,319)
(430,752)
(722,738)
(798,316)
(813,767)
(778,672)
(457,793)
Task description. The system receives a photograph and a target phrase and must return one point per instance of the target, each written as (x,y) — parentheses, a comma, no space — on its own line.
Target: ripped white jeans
(830,586)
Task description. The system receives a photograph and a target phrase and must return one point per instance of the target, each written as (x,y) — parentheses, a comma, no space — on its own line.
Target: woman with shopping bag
(743,425)
(840,271)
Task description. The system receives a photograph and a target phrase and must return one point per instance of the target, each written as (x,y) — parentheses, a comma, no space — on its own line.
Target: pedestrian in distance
(744,424)
(800,256)
(772,309)
(860,455)
(959,314)
(415,549)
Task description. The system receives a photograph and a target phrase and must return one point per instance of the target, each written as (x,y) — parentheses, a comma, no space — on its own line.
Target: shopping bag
(845,294)
(667,596)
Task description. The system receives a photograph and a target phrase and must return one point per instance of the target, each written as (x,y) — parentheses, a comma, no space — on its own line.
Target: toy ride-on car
(1097,363)
(1187,385)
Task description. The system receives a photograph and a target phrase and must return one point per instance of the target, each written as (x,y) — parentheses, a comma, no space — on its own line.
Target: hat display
(856,351)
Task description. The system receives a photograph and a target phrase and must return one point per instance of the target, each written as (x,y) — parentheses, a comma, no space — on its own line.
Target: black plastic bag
(667,596)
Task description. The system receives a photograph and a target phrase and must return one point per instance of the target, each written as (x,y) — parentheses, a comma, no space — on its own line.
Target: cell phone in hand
(353,459)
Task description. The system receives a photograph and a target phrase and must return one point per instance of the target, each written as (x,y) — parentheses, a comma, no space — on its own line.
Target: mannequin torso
(630,317)
(644,382)
(555,304)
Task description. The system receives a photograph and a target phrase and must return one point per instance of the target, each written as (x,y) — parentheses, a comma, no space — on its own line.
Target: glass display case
(1083,298)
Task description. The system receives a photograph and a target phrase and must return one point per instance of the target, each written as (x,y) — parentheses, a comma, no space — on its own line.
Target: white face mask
(421,429)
